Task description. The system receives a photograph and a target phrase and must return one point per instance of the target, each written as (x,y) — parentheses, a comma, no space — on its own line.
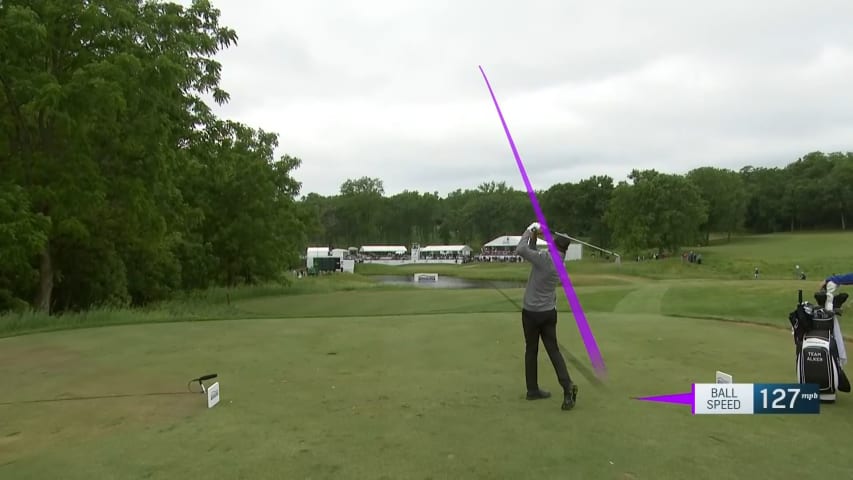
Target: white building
(383,250)
(460,250)
(384,254)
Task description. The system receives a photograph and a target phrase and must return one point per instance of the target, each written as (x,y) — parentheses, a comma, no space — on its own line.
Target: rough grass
(213,304)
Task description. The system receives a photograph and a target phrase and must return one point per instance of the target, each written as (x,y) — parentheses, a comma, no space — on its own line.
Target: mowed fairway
(417,383)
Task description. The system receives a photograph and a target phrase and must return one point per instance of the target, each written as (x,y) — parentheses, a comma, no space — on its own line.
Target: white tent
(512,241)
(447,249)
(398,249)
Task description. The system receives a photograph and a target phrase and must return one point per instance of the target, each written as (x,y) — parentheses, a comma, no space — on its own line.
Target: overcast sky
(391,89)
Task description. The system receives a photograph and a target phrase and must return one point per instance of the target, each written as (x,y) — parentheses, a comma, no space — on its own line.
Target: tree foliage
(724,193)
(120,185)
(657,210)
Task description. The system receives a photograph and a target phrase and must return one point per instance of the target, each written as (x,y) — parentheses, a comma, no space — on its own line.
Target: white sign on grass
(213,395)
(426,277)
(723,377)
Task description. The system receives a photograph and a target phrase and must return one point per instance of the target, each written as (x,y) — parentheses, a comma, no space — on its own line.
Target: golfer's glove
(534,227)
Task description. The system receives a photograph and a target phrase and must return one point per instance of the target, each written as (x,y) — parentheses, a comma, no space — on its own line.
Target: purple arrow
(686,398)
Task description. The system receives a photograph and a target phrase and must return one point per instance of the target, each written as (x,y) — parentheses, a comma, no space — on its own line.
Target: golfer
(539,315)
(831,284)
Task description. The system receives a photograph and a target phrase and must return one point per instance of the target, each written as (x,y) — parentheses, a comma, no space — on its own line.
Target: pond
(445,281)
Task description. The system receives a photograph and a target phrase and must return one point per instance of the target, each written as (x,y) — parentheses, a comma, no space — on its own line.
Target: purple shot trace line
(583,326)
(687,398)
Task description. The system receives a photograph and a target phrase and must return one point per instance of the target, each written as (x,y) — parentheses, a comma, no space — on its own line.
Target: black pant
(544,325)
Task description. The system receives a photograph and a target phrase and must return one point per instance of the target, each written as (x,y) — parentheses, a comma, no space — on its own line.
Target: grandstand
(442,254)
(502,249)
(382,253)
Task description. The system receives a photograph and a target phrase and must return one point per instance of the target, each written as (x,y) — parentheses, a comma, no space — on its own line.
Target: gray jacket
(540,295)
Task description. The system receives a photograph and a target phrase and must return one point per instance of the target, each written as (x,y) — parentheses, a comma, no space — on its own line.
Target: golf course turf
(340,377)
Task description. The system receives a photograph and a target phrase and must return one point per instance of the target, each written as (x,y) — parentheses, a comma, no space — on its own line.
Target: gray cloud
(391,89)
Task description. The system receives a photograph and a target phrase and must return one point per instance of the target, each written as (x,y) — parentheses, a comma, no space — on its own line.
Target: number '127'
(778,400)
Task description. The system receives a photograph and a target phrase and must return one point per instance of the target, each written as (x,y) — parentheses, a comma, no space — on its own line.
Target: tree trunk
(45,293)
(729,240)
(843,223)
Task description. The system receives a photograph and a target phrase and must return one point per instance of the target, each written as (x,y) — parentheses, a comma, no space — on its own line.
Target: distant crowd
(445,256)
(493,254)
(692,257)
(687,257)
(498,258)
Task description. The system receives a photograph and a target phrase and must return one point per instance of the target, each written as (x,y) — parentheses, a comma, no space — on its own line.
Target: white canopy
(383,249)
(446,248)
(512,241)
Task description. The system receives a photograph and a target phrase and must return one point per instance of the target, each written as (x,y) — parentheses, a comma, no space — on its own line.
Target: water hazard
(446,282)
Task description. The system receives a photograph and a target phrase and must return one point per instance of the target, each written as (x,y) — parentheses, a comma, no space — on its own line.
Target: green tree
(592,197)
(250,219)
(22,236)
(97,96)
(841,186)
(660,211)
(458,225)
(360,210)
(121,176)
(810,201)
(559,204)
(766,199)
(411,217)
(724,192)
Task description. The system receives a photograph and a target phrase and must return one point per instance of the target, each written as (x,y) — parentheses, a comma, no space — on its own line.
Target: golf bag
(818,342)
